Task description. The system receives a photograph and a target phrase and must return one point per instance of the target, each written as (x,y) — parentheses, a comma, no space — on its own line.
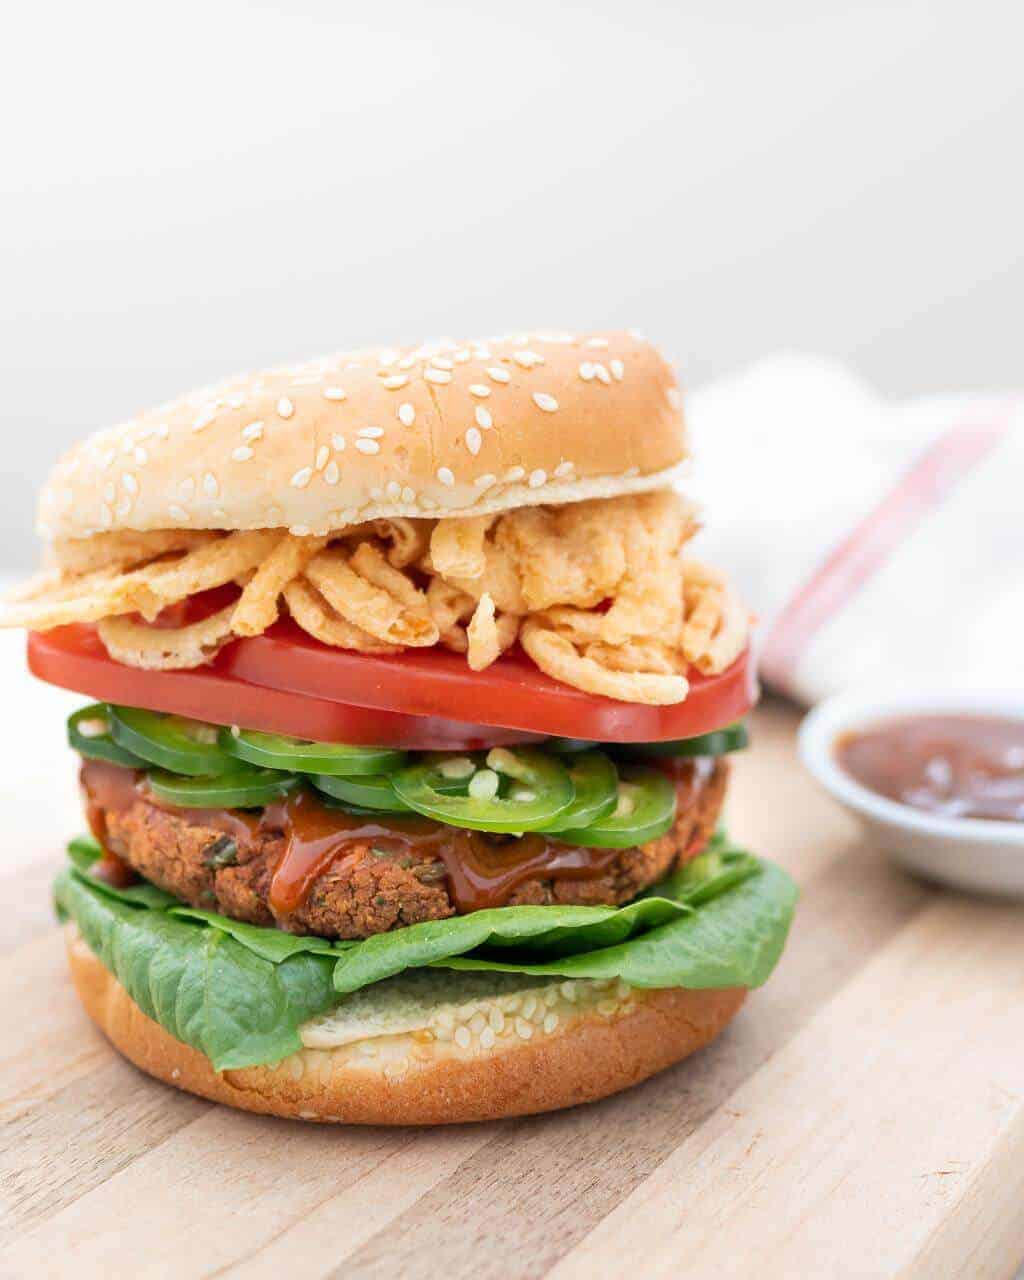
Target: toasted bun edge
(595,1055)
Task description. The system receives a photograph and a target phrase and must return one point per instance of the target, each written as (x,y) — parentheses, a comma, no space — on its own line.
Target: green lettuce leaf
(200,984)
(543,940)
(270,944)
(735,940)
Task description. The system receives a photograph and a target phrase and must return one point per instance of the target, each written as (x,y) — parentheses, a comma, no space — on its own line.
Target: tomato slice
(74,658)
(286,682)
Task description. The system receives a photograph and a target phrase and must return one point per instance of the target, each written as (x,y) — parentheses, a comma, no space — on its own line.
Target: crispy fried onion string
(599,593)
(157,649)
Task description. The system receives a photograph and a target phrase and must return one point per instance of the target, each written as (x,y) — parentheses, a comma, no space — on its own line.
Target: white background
(192,189)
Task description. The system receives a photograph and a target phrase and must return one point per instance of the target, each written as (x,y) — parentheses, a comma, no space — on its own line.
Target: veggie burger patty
(379,885)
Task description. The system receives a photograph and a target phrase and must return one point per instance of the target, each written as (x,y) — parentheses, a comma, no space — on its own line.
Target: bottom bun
(591,1047)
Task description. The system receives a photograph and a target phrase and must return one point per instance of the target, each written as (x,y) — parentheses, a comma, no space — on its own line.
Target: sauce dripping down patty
(482,870)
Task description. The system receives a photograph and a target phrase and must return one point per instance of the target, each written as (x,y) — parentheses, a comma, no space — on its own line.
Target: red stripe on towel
(922,489)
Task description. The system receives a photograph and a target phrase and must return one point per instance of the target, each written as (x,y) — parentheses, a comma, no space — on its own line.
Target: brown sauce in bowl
(955,766)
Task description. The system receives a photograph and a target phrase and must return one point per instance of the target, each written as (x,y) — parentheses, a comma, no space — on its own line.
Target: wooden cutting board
(863,1117)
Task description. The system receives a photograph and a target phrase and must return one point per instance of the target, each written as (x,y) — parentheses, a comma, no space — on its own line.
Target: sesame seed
(394,381)
(107,461)
(254,431)
(162,430)
(339,443)
(674,398)
(131,485)
(407,362)
(210,485)
(368,446)
(333,473)
(300,530)
(487,1038)
(527,359)
(393,490)
(462,1037)
(109,491)
(370,433)
(543,401)
(242,454)
(537,478)
(406,414)
(564,469)
(587,371)
(177,513)
(550,1022)
(474,440)
(597,342)
(439,376)
(107,516)
(497,1020)
(141,456)
(408,495)
(462,356)
(618,369)
(285,408)
(323,456)
(483,417)
(514,474)
(386,358)
(603,375)
(523,1029)
(302,478)
(445,475)
(499,374)
(333,393)
(440,362)
(187,488)
(479,389)
(204,419)
(485,481)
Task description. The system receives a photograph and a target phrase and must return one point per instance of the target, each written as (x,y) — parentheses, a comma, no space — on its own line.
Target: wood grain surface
(863,1117)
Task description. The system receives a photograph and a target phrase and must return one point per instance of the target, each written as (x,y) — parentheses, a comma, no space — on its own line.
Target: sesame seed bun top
(442,429)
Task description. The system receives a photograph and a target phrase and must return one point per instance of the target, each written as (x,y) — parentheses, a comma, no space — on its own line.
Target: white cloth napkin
(876,541)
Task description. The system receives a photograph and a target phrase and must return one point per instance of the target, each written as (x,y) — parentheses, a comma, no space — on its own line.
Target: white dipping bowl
(967,853)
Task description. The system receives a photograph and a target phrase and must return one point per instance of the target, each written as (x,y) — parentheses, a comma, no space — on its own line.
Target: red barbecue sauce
(482,871)
(958,766)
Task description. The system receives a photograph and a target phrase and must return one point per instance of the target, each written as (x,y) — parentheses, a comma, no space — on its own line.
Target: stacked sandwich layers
(405,781)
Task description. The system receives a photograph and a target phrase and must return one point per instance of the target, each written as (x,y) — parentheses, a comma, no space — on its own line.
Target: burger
(409,735)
